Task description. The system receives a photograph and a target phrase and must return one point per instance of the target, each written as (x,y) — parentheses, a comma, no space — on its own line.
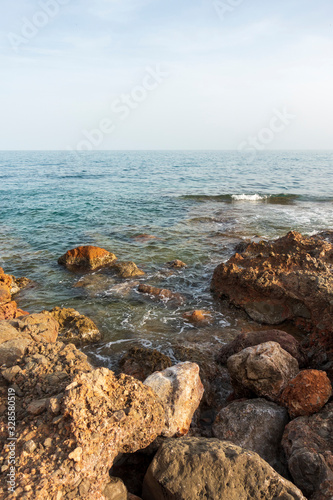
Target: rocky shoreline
(253,420)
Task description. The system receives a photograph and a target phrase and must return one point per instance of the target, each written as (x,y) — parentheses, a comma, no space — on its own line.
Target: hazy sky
(153,74)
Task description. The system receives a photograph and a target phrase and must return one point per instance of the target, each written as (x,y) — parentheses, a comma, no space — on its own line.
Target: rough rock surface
(9,285)
(72,421)
(161,293)
(199,468)
(198,316)
(86,258)
(126,269)
(37,327)
(307,393)
(287,279)
(180,390)
(176,264)
(308,444)
(75,327)
(255,425)
(264,369)
(140,362)
(249,339)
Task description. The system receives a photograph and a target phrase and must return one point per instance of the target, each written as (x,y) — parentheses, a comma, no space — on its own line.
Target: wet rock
(255,425)
(180,390)
(249,339)
(307,393)
(161,293)
(126,269)
(37,327)
(264,369)
(140,362)
(197,468)
(308,444)
(198,316)
(176,264)
(86,258)
(75,327)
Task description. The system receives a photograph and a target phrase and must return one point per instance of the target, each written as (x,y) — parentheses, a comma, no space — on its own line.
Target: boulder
(307,393)
(140,362)
(126,269)
(13,350)
(115,490)
(200,468)
(86,258)
(264,369)
(249,339)
(255,425)
(162,293)
(180,390)
(308,444)
(75,327)
(176,264)
(198,316)
(37,327)
(5,294)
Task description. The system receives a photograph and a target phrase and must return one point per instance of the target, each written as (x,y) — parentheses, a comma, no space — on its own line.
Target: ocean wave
(248,197)
(278,199)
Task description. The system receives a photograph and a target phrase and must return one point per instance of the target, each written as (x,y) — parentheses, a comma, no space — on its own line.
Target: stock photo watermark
(121,108)
(11,446)
(224,8)
(48,10)
(278,123)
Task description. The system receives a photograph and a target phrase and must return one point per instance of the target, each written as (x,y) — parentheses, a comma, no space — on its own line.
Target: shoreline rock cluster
(254,420)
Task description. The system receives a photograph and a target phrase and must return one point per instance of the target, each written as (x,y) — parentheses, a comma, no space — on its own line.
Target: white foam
(248,197)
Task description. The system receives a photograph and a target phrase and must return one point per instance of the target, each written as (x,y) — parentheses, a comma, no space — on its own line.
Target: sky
(152,74)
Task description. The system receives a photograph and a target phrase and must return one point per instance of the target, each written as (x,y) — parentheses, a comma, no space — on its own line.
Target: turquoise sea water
(197,205)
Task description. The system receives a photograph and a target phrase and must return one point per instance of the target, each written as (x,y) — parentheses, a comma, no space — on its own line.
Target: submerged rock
(75,327)
(198,316)
(308,444)
(180,390)
(161,293)
(140,362)
(176,264)
(86,258)
(307,393)
(197,468)
(256,425)
(264,369)
(126,269)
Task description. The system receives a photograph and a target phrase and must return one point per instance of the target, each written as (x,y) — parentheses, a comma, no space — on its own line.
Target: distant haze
(153,74)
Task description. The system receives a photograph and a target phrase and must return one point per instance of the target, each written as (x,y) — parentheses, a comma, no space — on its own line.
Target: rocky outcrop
(307,393)
(75,327)
(86,258)
(180,390)
(72,421)
(249,339)
(126,269)
(36,327)
(162,293)
(287,279)
(140,362)
(197,468)
(264,369)
(198,316)
(308,444)
(255,425)
(9,285)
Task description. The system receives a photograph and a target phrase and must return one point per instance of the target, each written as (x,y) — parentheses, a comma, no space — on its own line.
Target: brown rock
(12,350)
(86,258)
(197,316)
(126,269)
(161,293)
(140,362)
(264,369)
(307,393)
(176,264)
(249,339)
(5,279)
(75,327)
(5,295)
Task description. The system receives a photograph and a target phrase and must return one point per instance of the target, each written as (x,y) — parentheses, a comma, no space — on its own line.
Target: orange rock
(86,257)
(8,311)
(176,264)
(197,316)
(5,278)
(162,293)
(5,295)
(307,393)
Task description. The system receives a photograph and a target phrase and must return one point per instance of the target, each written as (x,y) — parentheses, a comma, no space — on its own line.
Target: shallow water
(197,205)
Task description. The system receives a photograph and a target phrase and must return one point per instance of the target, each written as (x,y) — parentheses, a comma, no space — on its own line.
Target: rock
(115,490)
(10,373)
(264,369)
(87,432)
(37,407)
(307,393)
(126,269)
(5,295)
(255,425)
(176,264)
(180,390)
(10,311)
(197,316)
(140,362)
(161,293)
(12,350)
(287,279)
(200,468)
(86,258)
(75,327)
(145,237)
(308,444)
(249,339)
(37,327)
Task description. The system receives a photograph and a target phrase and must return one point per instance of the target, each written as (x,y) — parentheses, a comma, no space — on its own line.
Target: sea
(151,207)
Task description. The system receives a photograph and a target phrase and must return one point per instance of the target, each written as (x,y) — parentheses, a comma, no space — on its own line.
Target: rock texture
(9,285)
(140,362)
(180,390)
(307,393)
(199,468)
(249,339)
(86,258)
(264,369)
(308,444)
(162,293)
(72,421)
(176,264)
(126,269)
(75,327)
(37,327)
(198,316)
(255,425)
